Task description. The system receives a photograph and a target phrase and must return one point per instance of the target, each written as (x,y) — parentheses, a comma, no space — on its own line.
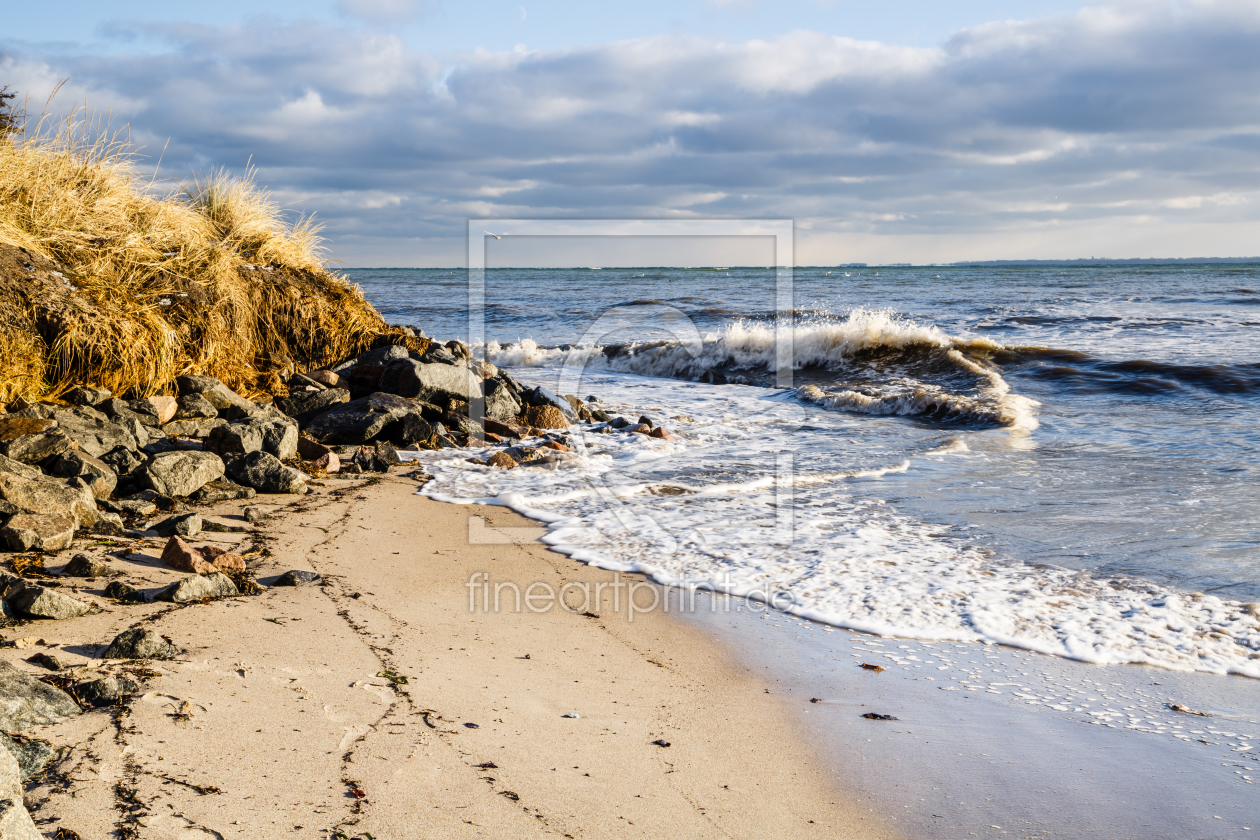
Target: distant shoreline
(1081,263)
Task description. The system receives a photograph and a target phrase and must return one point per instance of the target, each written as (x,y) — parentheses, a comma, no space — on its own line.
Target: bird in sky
(495,235)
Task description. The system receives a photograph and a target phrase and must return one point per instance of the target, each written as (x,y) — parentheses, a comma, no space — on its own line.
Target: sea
(984,464)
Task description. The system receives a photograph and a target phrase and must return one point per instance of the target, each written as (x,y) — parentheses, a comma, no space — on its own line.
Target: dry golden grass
(206,279)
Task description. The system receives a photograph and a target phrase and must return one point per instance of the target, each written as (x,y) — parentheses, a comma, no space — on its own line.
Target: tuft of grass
(128,284)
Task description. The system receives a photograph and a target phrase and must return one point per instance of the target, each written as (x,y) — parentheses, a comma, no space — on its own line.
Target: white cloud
(1053,132)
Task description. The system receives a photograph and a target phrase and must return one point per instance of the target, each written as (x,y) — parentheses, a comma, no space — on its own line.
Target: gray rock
(46,495)
(305,407)
(194,406)
(123,592)
(223,490)
(501,403)
(433,382)
(38,532)
(265,473)
(31,755)
(184,525)
(181,473)
(31,449)
(8,465)
(26,701)
(139,643)
(296,577)
(358,421)
(227,403)
(255,434)
(218,526)
(380,357)
(108,524)
(194,428)
(159,446)
(146,412)
(196,384)
(123,461)
(130,507)
(199,588)
(100,477)
(15,822)
(106,691)
(86,566)
(256,515)
(120,410)
(541,396)
(84,395)
(38,602)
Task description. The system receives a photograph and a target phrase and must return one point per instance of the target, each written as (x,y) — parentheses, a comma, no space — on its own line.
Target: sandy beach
(376,704)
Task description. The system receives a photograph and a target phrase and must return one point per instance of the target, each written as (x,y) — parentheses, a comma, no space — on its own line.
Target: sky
(896,132)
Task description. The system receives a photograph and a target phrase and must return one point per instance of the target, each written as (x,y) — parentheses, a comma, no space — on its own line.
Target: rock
(31,755)
(140,508)
(255,434)
(327,378)
(124,593)
(15,822)
(83,565)
(84,395)
(296,577)
(255,515)
(31,449)
(309,449)
(181,473)
(145,411)
(301,380)
(218,526)
(159,446)
(229,404)
(305,407)
(200,427)
(430,382)
(38,532)
(265,473)
(38,602)
(619,423)
(122,461)
(26,701)
(108,524)
(662,433)
(329,462)
(541,397)
(361,420)
(501,460)
(545,417)
(199,588)
(223,490)
(194,407)
(106,691)
(223,561)
(501,403)
(13,427)
(180,555)
(367,460)
(46,660)
(8,465)
(504,429)
(164,408)
(558,447)
(644,420)
(638,428)
(100,477)
(139,643)
(184,525)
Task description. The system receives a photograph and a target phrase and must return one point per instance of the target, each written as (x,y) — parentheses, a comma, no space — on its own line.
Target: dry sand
(277,721)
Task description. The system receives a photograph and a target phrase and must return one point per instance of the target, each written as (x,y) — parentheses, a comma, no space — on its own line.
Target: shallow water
(1062,460)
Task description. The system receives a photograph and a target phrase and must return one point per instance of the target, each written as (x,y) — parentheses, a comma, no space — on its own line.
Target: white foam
(735,521)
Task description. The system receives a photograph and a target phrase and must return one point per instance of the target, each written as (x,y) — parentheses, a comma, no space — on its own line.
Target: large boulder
(97,434)
(31,755)
(123,461)
(199,588)
(46,495)
(265,473)
(38,532)
(84,395)
(26,701)
(39,602)
(33,448)
(180,473)
(306,406)
(501,403)
(431,382)
(255,434)
(193,406)
(96,473)
(361,420)
(8,465)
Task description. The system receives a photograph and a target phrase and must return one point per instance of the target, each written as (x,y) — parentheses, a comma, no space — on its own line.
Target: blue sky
(902,131)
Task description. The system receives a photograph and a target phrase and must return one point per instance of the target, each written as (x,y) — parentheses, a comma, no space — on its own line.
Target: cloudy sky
(900,131)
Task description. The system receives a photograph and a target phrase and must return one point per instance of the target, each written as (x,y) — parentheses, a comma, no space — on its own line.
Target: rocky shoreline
(103,501)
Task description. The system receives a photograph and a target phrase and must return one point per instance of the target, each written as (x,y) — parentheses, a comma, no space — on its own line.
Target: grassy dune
(109,279)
